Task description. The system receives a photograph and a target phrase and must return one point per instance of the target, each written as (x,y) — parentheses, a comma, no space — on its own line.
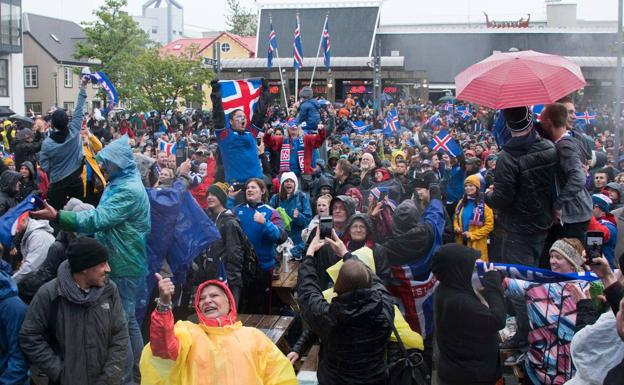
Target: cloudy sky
(209,14)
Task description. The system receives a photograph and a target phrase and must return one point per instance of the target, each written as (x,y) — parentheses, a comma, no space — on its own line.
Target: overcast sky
(209,14)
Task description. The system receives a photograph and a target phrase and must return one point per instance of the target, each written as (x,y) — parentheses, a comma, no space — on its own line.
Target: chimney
(560,14)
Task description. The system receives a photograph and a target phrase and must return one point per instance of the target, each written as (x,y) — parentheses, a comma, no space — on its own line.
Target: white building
(11,56)
(162,24)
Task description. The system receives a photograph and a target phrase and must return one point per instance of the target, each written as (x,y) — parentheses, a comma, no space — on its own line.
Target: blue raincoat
(13,366)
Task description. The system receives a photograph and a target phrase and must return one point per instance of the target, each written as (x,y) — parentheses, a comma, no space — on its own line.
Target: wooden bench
(307,372)
(285,285)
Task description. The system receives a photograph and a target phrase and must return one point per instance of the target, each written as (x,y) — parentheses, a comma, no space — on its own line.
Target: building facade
(50,71)
(162,24)
(11,56)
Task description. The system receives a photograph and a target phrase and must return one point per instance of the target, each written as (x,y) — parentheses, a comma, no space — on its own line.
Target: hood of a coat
(8,181)
(34,225)
(353,180)
(520,145)
(324,181)
(292,176)
(348,202)
(118,158)
(357,306)
(453,265)
(228,319)
(370,228)
(30,168)
(386,174)
(8,287)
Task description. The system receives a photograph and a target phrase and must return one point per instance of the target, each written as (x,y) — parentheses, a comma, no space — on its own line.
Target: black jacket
(25,151)
(524,184)
(228,249)
(74,344)
(354,329)
(8,193)
(466,329)
(340,188)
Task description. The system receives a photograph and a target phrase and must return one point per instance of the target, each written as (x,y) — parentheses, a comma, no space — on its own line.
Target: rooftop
(178,46)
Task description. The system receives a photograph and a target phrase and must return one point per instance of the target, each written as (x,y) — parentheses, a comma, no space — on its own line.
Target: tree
(162,80)
(114,39)
(240,20)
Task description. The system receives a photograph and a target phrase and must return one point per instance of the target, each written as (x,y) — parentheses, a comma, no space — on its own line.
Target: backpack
(249,269)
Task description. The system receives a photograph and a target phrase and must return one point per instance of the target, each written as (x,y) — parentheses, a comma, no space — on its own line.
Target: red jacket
(310,142)
(199,192)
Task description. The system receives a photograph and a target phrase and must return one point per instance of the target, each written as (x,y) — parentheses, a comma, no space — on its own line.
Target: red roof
(178,46)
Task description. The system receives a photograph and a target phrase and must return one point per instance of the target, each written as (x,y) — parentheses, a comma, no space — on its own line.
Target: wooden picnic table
(274,326)
(285,285)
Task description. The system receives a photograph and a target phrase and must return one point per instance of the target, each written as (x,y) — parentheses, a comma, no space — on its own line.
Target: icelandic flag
(586,118)
(537,111)
(434,120)
(448,106)
(106,84)
(391,125)
(7,221)
(297,49)
(240,94)
(272,46)
(465,112)
(359,127)
(443,141)
(325,44)
(168,148)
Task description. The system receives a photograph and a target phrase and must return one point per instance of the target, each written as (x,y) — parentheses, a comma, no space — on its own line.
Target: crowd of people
(399,242)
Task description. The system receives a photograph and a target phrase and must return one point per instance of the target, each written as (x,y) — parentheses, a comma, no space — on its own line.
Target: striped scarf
(478,212)
(285,156)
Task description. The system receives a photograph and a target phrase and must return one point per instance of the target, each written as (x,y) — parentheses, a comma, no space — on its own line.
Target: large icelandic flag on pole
(297,49)
(272,46)
(326,45)
(240,94)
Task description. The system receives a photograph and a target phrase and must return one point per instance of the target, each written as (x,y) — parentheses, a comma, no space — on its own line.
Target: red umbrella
(514,79)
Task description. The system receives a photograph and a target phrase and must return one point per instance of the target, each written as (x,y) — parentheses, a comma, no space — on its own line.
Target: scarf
(70,290)
(478,211)
(285,156)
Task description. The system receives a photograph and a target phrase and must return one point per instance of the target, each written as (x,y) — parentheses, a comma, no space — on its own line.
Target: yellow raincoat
(410,338)
(90,149)
(218,355)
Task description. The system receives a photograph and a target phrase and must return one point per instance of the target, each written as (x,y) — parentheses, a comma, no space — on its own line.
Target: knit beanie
(569,253)
(85,252)
(474,180)
(59,119)
(602,201)
(219,190)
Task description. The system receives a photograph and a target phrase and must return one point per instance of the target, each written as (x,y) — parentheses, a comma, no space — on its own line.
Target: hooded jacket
(72,343)
(524,184)
(27,185)
(13,365)
(297,200)
(216,351)
(61,159)
(354,329)
(121,220)
(382,267)
(410,250)
(467,329)
(35,243)
(8,192)
(309,113)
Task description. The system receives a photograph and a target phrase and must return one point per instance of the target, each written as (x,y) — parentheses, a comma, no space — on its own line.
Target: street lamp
(55,77)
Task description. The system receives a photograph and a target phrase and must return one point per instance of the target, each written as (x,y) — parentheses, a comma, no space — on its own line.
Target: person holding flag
(237,141)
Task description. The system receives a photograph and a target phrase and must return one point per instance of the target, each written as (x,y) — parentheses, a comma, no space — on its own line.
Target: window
(31,77)
(68,76)
(56,39)
(68,106)
(154,30)
(35,107)
(5,23)
(225,47)
(4,77)
(16,21)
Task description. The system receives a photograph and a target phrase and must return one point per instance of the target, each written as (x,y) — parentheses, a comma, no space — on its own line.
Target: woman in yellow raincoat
(218,350)
(473,220)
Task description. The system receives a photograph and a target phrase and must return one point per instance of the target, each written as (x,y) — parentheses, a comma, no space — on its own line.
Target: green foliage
(240,20)
(162,80)
(115,40)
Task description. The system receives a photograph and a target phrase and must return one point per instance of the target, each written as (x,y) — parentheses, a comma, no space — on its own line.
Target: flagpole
(281,78)
(296,84)
(318,51)
(279,67)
